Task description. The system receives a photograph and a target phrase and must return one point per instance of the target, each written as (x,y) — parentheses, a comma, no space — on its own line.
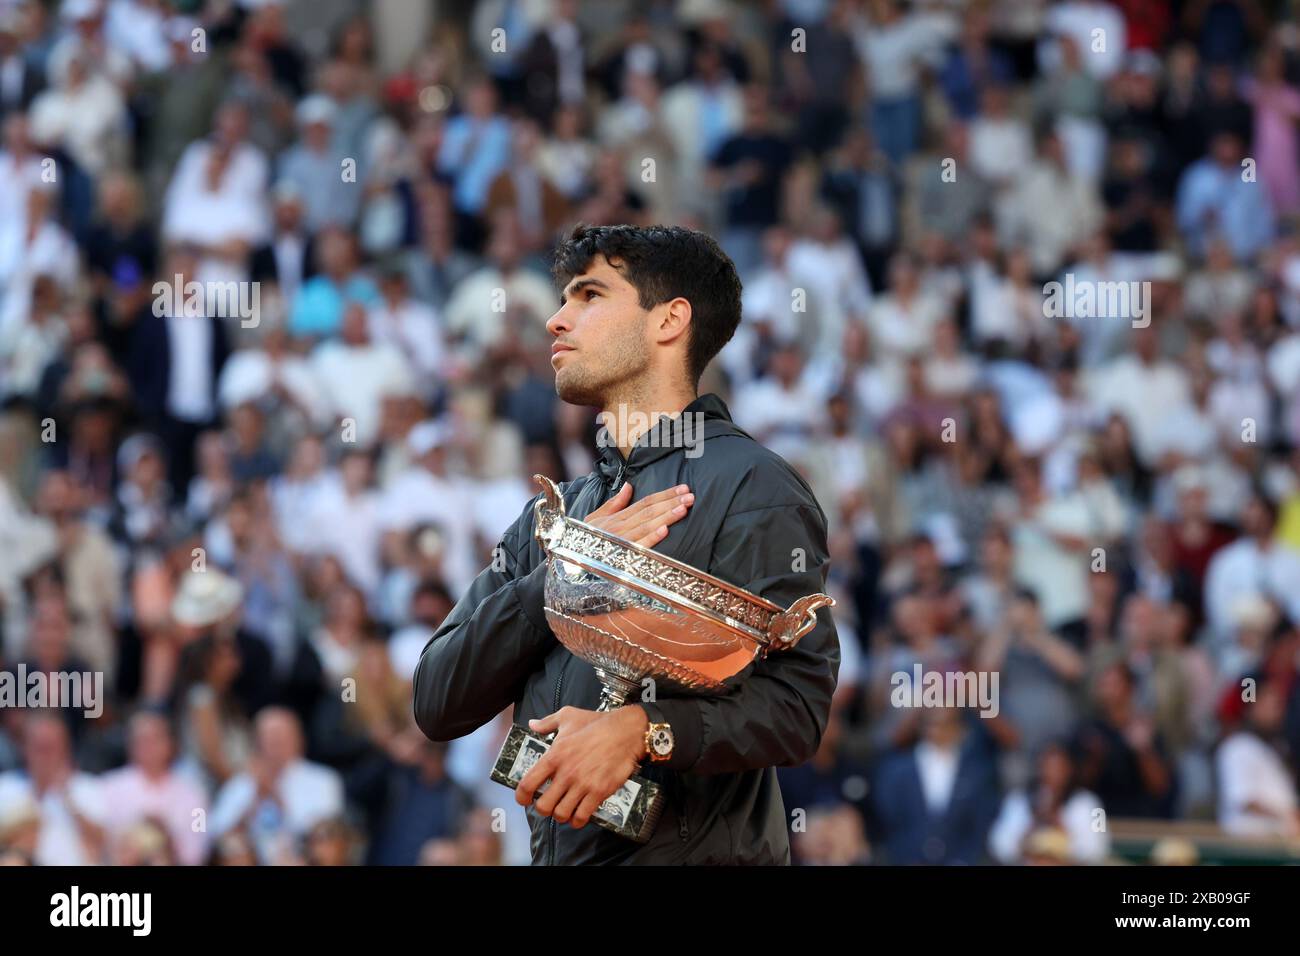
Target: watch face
(661,742)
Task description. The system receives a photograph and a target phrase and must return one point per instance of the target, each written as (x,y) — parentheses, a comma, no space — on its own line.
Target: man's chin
(576,392)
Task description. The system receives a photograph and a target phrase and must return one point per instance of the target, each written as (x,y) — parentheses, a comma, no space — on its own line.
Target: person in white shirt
(295,491)
(71,803)
(1049,183)
(1098,30)
(1001,146)
(272,370)
(355,373)
(1257,792)
(21,165)
(894,48)
(699,114)
(1253,565)
(409,325)
(476,312)
(778,409)
(148,787)
(829,266)
(85,30)
(280,795)
(82,112)
(33,244)
(426,493)
(217,198)
(1142,388)
(345,520)
(902,322)
(1052,800)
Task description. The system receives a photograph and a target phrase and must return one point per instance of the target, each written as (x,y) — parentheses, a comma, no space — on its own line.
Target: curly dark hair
(662,263)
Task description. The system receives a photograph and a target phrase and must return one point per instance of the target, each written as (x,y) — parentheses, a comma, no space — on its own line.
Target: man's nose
(559,322)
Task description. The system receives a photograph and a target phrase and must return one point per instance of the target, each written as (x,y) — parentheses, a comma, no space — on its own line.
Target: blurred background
(252,528)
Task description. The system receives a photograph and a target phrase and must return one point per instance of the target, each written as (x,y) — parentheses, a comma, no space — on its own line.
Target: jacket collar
(661,439)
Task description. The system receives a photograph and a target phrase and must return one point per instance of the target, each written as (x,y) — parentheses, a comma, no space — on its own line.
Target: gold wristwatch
(659,740)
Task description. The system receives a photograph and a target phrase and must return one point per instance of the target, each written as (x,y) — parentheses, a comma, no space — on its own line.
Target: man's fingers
(545,725)
(533,779)
(666,497)
(545,804)
(565,806)
(582,816)
(660,501)
(655,527)
(639,525)
(615,504)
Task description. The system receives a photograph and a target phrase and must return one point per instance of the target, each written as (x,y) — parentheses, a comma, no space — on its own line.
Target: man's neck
(629,416)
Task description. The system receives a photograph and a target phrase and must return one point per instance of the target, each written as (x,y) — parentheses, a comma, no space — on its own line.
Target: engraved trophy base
(631,811)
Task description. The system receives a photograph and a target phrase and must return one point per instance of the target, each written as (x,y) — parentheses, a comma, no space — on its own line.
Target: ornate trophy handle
(797,620)
(548,514)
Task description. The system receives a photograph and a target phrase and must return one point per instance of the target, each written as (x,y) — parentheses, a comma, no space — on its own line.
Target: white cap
(73,10)
(1253,611)
(427,436)
(316,108)
(206,597)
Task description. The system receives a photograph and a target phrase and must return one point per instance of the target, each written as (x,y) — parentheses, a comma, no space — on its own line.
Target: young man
(643,311)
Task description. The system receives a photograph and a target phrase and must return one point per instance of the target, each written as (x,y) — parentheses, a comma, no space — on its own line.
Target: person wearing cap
(427,492)
(84,29)
(315,168)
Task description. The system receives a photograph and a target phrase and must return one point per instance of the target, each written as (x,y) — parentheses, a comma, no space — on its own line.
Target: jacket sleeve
(776,714)
(479,658)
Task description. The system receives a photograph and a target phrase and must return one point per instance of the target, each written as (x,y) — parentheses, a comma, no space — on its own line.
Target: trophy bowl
(648,624)
(634,614)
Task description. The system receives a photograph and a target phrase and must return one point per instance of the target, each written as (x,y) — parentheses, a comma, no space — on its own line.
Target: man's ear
(674,320)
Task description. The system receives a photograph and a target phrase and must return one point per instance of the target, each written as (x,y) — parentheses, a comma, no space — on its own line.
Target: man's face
(277,739)
(45,750)
(605,332)
(150,743)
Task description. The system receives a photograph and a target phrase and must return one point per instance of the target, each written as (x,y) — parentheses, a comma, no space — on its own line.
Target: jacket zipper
(559,683)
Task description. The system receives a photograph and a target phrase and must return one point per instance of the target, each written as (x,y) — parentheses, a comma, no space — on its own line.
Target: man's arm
(777,714)
(477,661)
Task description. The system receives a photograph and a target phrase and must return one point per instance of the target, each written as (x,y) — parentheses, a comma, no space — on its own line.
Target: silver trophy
(638,616)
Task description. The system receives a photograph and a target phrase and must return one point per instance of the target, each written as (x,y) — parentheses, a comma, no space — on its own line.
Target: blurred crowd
(250,515)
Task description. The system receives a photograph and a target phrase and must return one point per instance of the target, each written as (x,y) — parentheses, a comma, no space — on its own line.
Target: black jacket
(754,519)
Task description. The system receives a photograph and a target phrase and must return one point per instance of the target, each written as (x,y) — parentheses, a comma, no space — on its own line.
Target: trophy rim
(671,562)
(741,611)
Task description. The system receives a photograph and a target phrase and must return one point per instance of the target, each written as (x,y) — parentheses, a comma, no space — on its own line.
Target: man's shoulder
(760,478)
